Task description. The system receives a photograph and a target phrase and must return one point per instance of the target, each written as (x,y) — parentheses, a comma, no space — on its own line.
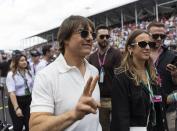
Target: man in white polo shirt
(48,52)
(66,94)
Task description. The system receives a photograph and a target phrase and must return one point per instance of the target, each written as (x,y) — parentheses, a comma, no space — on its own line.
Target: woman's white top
(16,83)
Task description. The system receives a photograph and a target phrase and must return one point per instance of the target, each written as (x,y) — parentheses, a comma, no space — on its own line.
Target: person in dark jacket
(105,59)
(137,100)
(165,62)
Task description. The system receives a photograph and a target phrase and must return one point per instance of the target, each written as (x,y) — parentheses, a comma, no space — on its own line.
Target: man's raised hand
(86,103)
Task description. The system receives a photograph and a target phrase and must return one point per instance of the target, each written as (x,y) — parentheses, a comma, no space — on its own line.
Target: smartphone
(175,64)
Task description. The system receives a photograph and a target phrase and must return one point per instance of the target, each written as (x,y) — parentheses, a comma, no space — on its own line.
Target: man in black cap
(35,57)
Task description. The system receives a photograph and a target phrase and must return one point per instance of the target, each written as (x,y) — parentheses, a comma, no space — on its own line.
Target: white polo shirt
(43,63)
(17,84)
(57,89)
(33,68)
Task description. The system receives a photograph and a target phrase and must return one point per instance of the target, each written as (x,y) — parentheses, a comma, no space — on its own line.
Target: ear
(66,42)
(130,50)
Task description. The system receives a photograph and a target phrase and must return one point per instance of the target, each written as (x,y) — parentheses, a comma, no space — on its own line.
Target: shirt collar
(63,66)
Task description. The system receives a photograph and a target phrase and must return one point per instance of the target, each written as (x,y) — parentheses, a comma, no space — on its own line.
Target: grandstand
(122,20)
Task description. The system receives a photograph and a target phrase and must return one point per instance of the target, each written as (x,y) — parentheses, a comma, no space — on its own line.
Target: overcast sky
(20,19)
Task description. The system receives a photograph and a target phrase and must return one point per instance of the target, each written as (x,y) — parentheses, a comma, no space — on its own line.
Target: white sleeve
(40,66)
(10,82)
(42,96)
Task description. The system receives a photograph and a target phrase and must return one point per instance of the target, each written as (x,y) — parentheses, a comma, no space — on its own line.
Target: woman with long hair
(19,84)
(137,103)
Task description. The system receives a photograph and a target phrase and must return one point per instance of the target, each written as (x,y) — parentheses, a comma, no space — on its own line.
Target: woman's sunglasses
(143,44)
(85,33)
(156,36)
(104,36)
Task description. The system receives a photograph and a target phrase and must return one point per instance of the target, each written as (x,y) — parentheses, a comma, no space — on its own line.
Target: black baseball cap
(16,52)
(35,53)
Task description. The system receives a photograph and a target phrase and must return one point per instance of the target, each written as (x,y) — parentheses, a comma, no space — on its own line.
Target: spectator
(105,59)
(163,58)
(59,100)
(48,53)
(4,68)
(34,61)
(19,84)
(136,95)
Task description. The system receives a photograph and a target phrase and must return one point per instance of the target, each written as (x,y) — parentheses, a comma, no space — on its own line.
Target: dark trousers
(18,122)
(105,113)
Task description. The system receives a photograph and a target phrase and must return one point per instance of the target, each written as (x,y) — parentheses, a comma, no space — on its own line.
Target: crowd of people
(119,35)
(100,89)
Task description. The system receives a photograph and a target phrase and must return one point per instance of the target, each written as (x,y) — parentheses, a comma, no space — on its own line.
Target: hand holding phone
(172,69)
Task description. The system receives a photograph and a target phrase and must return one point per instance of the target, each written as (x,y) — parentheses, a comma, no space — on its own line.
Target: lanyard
(149,86)
(101,63)
(25,80)
(34,70)
(151,98)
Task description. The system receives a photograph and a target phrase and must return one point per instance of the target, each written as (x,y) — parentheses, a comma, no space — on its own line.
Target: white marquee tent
(21,19)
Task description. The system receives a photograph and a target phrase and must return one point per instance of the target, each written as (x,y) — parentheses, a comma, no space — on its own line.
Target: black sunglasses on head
(85,33)
(143,44)
(156,36)
(104,36)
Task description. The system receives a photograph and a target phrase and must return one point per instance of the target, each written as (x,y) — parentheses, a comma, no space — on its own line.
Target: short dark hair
(101,27)
(46,48)
(69,26)
(155,24)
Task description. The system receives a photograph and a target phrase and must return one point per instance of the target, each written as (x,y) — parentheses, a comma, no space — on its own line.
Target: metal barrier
(4,126)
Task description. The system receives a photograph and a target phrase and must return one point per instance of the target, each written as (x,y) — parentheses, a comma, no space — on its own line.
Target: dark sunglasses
(156,36)
(104,36)
(143,44)
(85,33)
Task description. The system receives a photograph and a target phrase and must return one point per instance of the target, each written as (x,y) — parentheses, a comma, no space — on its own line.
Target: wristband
(17,108)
